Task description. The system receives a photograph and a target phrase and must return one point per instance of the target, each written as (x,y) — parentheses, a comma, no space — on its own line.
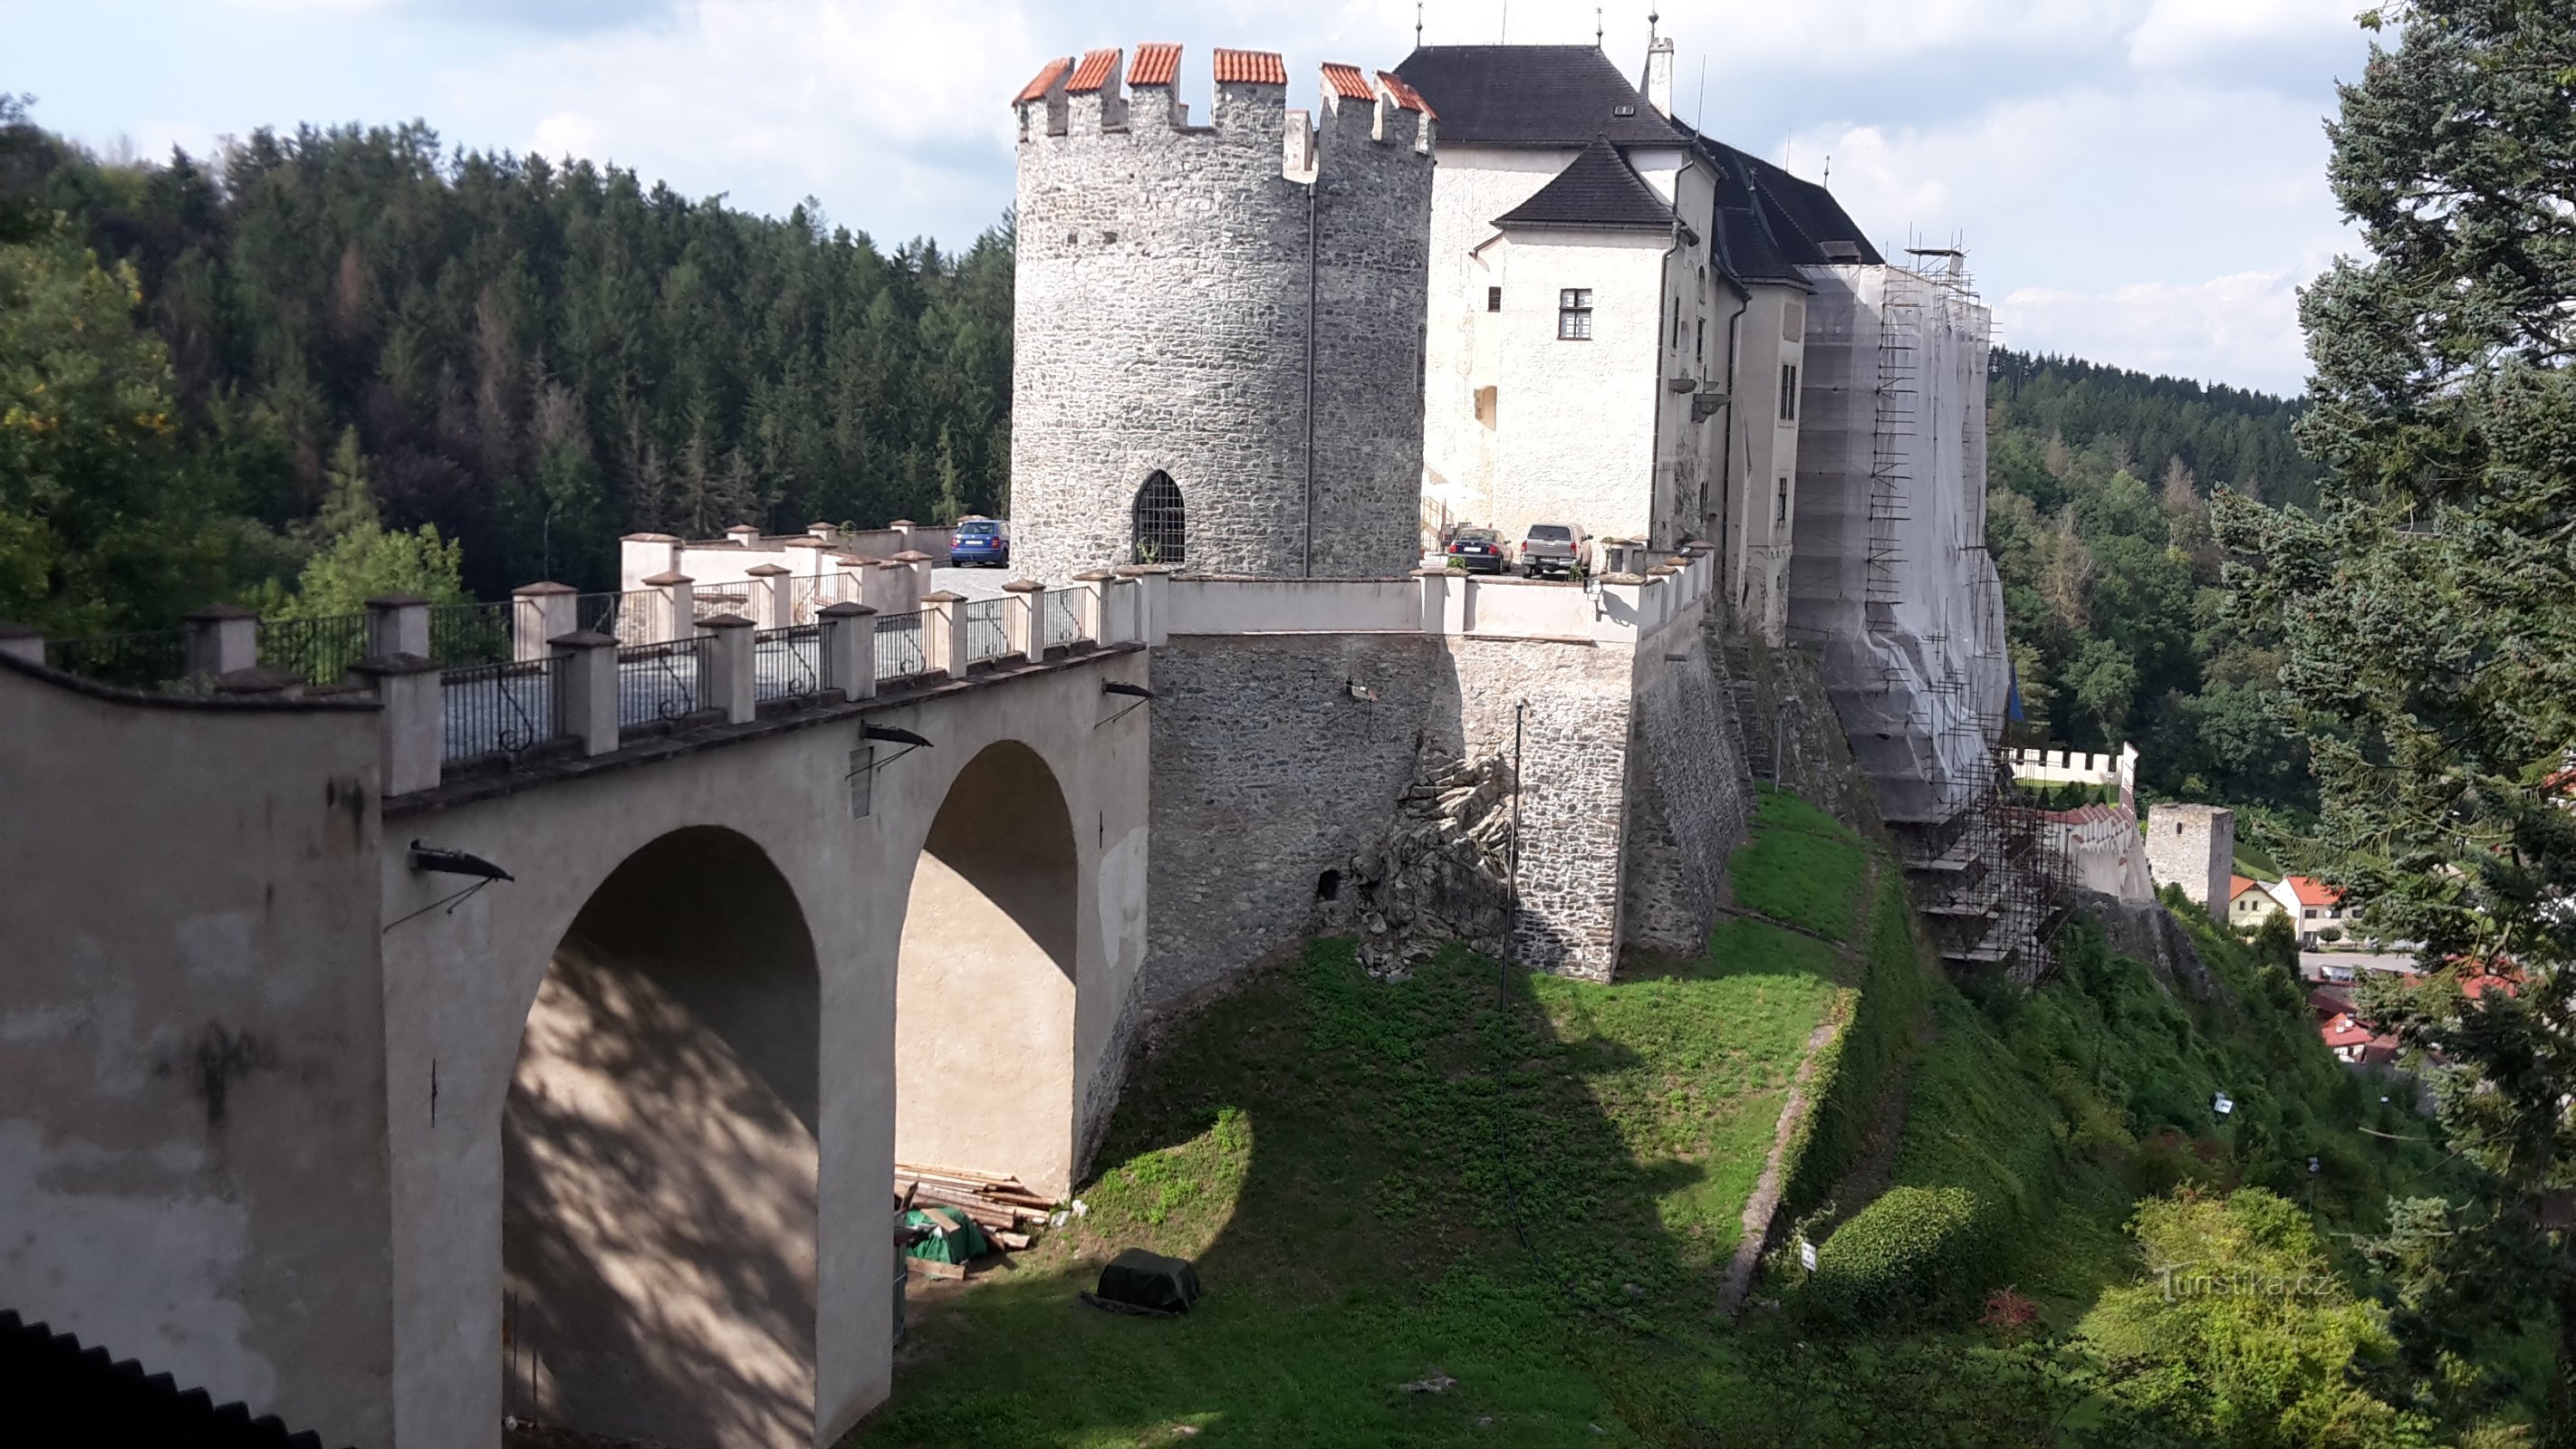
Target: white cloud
(2182,32)
(891,112)
(2105,154)
(2240,329)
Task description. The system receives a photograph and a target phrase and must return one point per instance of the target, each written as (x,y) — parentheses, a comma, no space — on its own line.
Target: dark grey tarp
(1139,1279)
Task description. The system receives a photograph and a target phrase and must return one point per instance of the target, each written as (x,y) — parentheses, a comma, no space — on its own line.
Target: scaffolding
(1893,425)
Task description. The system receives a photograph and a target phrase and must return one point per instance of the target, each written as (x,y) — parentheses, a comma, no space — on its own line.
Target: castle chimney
(1659,75)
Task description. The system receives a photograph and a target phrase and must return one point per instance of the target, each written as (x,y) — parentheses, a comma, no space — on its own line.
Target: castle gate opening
(659,1159)
(984,984)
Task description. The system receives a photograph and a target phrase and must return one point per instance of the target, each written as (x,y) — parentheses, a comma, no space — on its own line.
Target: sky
(2137,182)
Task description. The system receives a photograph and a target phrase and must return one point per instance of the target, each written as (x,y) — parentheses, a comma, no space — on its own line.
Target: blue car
(980,541)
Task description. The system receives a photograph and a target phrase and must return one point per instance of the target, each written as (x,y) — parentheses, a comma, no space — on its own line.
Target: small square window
(1780,505)
(1493,299)
(1574,314)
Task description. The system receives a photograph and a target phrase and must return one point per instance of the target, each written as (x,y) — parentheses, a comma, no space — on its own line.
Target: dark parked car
(1555,548)
(1478,550)
(980,541)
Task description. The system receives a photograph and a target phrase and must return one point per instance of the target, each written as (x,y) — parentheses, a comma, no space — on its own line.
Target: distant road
(2312,964)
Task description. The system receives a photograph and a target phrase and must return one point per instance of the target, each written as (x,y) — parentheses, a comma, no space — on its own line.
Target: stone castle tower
(1219,326)
(2193,846)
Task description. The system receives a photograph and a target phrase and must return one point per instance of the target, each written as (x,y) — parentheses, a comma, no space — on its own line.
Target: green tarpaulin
(955,1238)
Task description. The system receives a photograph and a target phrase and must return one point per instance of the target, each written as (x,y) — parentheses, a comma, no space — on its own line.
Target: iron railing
(636,616)
(319,650)
(499,709)
(462,635)
(985,636)
(728,600)
(810,594)
(1060,616)
(147,659)
(899,645)
(787,664)
(659,681)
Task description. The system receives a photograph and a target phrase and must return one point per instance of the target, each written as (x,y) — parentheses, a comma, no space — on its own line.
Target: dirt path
(1761,1208)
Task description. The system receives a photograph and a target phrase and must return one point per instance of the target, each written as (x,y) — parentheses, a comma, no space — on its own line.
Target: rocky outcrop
(1442,873)
(2146,931)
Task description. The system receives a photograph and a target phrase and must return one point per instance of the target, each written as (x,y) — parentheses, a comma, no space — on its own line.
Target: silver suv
(1555,548)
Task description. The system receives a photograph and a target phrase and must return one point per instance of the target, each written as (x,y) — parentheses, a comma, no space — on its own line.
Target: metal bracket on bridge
(432,859)
(1136,691)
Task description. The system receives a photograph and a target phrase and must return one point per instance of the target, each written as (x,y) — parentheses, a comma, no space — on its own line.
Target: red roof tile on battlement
(1250,67)
(1094,71)
(2081,814)
(1347,82)
(1038,85)
(1405,95)
(1157,64)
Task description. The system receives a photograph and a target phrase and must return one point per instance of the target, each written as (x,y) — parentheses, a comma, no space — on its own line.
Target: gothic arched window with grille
(1160,531)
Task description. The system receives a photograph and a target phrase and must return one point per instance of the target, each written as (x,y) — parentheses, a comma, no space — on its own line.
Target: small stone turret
(1219,325)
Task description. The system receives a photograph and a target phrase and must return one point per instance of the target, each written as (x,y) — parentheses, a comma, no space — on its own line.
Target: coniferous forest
(2098,515)
(287,361)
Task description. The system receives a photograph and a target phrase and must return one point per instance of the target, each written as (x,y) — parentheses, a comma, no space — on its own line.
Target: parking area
(972,583)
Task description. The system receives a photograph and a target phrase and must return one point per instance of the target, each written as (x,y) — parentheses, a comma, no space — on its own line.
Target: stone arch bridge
(302,1105)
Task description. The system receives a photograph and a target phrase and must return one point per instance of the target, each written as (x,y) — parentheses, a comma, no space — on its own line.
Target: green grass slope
(1532,1186)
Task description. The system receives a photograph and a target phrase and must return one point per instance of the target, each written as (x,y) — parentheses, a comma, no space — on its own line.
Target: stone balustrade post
(221,639)
(538,613)
(679,608)
(919,562)
(1089,603)
(407,689)
(772,603)
(728,671)
(904,530)
(943,633)
(846,636)
(1438,587)
(1117,610)
(880,585)
(1153,599)
(397,624)
(23,642)
(743,535)
(828,533)
(587,681)
(1024,619)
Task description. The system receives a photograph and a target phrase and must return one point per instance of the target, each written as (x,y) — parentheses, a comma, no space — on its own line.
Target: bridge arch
(659,1158)
(985,978)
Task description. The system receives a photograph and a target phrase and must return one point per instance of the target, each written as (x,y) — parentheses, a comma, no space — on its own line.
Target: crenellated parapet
(1096,93)
(1234,302)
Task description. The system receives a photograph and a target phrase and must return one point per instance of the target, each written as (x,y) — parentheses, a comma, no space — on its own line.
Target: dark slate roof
(1532,95)
(1598,189)
(1769,223)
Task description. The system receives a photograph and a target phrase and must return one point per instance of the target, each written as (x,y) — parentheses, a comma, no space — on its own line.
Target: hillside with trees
(2098,518)
(527,358)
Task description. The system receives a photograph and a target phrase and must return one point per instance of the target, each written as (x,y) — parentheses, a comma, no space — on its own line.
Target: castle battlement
(1096,94)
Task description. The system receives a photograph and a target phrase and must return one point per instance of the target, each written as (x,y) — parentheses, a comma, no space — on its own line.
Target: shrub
(1900,1253)
(2243,1334)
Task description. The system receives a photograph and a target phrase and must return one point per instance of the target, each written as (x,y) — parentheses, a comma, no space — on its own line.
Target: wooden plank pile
(1004,1207)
